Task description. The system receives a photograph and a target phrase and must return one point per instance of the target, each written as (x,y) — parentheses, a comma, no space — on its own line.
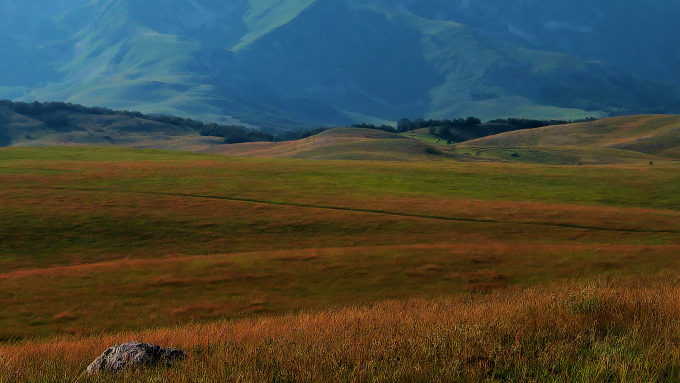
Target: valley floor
(301,270)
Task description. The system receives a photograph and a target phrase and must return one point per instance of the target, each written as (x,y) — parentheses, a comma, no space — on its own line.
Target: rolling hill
(339,144)
(295,64)
(632,139)
(84,129)
(653,135)
(618,140)
(56,123)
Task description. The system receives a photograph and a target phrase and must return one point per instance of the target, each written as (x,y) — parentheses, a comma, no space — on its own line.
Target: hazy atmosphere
(299,63)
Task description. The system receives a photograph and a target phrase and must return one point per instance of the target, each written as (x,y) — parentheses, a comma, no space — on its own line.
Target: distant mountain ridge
(292,64)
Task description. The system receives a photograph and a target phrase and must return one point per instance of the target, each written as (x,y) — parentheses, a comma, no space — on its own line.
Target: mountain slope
(639,39)
(291,64)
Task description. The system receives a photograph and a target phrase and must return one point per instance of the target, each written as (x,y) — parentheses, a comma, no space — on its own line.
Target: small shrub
(433,151)
(57,121)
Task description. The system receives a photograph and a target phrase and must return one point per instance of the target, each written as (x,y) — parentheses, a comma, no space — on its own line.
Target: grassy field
(303,270)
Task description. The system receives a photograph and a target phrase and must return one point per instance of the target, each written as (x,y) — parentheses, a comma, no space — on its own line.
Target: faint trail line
(354,209)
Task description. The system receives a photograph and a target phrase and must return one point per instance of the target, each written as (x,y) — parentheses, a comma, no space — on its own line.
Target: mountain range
(291,64)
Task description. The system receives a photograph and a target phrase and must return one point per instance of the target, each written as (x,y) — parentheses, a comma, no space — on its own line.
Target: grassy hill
(39,124)
(654,136)
(340,144)
(621,140)
(633,139)
(56,123)
(238,260)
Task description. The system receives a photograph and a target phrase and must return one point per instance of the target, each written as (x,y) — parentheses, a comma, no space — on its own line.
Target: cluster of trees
(472,127)
(42,109)
(58,121)
(383,127)
(525,123)
(459,129)
(406,125)
(234,134)
(55,115)
(4,136)
(314,132)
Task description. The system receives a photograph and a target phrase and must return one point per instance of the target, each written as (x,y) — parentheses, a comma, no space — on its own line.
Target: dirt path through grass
(363,210)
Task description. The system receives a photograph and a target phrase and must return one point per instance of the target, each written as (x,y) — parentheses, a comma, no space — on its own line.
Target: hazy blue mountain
(294,63)
(638,38)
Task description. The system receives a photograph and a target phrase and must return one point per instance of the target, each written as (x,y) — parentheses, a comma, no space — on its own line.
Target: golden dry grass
(337,144)
(623,329)
(654,135)
(134,293)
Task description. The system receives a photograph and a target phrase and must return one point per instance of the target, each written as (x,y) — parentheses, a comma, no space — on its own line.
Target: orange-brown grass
(52,223)
(609,132)
(623,329)
(129,294)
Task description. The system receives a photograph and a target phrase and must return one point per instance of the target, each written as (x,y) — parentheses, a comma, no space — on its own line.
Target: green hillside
(263,16)
(297,64)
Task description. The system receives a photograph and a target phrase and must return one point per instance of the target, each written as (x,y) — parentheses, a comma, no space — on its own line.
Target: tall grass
(100,243)
(133,294)
(602,330)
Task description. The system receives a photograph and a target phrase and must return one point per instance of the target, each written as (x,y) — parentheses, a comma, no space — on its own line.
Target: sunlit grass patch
(622,329)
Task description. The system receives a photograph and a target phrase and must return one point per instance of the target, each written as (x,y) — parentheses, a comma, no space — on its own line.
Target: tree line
(450,129)
(55,115)
(234,134)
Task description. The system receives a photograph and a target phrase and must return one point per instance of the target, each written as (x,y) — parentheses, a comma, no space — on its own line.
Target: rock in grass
(134,355)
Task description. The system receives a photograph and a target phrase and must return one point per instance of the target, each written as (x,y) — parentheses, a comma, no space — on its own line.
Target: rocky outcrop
(134,355)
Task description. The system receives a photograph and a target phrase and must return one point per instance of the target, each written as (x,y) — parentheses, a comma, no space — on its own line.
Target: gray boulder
(134,355)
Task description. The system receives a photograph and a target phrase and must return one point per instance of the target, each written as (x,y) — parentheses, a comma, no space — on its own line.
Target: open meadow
(315,270)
